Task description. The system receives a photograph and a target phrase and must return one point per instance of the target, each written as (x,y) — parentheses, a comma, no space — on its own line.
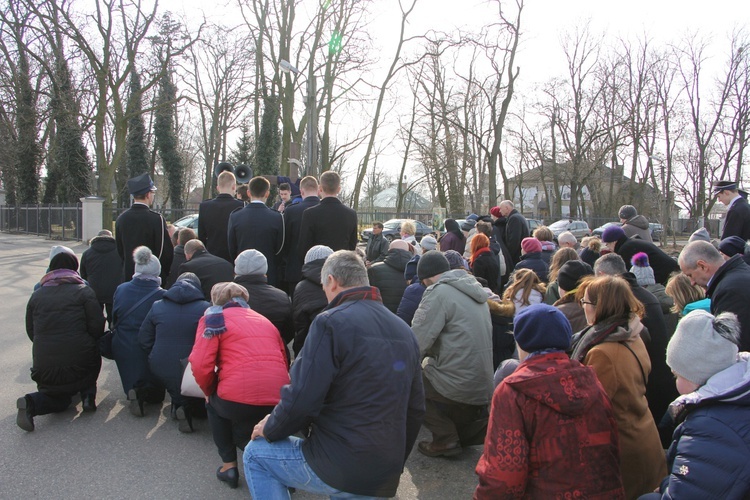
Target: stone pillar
(92,217)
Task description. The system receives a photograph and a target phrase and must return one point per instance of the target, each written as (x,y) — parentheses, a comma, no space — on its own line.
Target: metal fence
(56,222)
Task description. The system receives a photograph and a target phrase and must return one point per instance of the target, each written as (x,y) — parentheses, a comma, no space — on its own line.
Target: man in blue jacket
(356,392)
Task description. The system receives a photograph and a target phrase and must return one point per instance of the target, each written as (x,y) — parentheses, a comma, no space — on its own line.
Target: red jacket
(552,434)
(250,358)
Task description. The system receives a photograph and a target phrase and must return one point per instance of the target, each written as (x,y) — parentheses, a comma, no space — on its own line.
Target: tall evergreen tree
(136,154)
(27,151)
(269,142)
(166,139)
(244,148)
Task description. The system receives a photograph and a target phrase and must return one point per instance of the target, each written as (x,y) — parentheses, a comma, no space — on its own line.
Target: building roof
(388,198)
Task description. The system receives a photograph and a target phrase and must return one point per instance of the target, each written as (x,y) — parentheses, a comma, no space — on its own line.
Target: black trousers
(452,422)
(44,403)
(232,424)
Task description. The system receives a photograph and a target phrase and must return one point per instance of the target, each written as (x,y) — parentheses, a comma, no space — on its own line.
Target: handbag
(105,341)
(189,387)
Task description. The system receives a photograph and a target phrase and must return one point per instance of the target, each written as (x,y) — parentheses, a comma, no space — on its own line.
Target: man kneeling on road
(356,393)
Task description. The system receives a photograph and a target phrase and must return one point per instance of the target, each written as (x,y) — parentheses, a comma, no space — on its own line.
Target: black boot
(25,417)
(229,476)
(173,411)
(184,419)
(88,403)
(136,402)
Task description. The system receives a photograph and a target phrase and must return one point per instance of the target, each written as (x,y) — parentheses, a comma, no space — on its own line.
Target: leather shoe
(230,476)
(135,403)
(432,450)
(88,403)
(184,420)
(25,417)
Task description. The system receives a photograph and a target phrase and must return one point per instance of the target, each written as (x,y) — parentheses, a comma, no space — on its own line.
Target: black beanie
(571,273)
(432,264)
(64,260)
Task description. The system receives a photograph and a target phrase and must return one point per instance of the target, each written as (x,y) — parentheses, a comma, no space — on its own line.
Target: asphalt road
(112,454)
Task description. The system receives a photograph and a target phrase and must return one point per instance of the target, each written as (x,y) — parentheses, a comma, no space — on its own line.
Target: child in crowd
(524,289)
(687,297)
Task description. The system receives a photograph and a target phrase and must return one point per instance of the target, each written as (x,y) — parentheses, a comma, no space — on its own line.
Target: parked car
(533,224)
(190,221)
(392,230)
(599,230)
(657,230)
(579,228)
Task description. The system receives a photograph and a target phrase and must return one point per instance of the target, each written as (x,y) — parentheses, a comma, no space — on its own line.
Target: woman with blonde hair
(562,256)
(408,234)
(524,289)
(687,297)
(613,347)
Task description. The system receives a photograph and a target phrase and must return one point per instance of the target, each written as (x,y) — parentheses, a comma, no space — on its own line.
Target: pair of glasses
(583,301)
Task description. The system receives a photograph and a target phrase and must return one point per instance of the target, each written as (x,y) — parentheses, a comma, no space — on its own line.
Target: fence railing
(56,222)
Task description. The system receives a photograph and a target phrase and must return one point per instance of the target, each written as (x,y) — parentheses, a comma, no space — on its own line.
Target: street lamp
(311,143)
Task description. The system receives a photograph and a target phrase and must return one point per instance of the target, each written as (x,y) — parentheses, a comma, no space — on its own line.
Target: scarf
(215,317)
(62,277)
(612,330)
(356,293)
(477,254)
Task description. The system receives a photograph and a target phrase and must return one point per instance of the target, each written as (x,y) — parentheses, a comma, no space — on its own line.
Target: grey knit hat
(146,262)
(700,235)
(428,243)
(627,212)
(317,252)
(642,270)
(250,262)
(703,345)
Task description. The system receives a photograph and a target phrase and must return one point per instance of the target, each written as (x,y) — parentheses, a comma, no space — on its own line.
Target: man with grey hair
(660,388)
(567,240)
(516,229)
(454,330)
(727,283)
(355,392)
(209,268)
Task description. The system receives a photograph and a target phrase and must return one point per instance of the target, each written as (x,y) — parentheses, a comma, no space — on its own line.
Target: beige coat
(643,463)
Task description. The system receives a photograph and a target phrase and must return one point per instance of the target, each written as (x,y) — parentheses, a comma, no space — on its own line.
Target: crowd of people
(576,365)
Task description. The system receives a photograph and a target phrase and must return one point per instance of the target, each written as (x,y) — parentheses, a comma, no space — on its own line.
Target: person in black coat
(64,321)
(167,335)
(101,267)
(143,290)
(532,259)
(309,298)
(727,283)
(662,264)
(210,269)
(213,216)
(377,245)
(516,229)
(737,219)
(141,226)
(292,227)
(660,388)
(388,276)
(330,223)
(184,235)
(250,268)
(257,227)
(484,262)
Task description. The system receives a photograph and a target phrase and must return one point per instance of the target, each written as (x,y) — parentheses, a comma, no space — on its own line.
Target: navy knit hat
(542,326)
(612,234)
(732,246)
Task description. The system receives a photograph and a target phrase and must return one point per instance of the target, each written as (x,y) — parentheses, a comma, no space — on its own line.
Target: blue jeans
(271,468)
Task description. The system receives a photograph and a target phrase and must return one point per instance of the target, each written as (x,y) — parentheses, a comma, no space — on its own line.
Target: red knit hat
(530,245)
(495,211)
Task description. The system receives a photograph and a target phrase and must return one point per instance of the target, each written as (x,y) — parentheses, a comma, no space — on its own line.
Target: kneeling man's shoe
(432,450)
(25,417)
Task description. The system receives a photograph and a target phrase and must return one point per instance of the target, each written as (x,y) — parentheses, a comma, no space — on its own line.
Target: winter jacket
(64,323)
(167,333)
(665,301)
(377,248)
(410,302)
(551,434)
(535,297)
(548,250)
(454,331)
(210,269)
(589,256)
(449,241)
(503,342)
(534,262)
(174,271)
(357,386)
(703,304)
(498,234)
(729,292)
(615,351)
(410,271)
(245,364)
(270,302)
(388,277)
(516,229)
(487,266)
(637,227)
(308,300)
(132,363)
(710,454)
(662,264)
(571,308)
(101,267)
(552,294)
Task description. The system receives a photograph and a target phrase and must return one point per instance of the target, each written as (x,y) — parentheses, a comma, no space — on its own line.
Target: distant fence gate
(56,222)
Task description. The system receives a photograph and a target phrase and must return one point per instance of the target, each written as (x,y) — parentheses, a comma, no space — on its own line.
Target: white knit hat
(317,252)
(146,262)
(703,345)
(56,249)
(250,262)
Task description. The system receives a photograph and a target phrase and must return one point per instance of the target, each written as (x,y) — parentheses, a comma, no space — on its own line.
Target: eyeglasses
(583,301)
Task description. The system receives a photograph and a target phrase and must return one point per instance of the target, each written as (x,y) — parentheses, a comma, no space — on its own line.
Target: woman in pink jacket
(240,364)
